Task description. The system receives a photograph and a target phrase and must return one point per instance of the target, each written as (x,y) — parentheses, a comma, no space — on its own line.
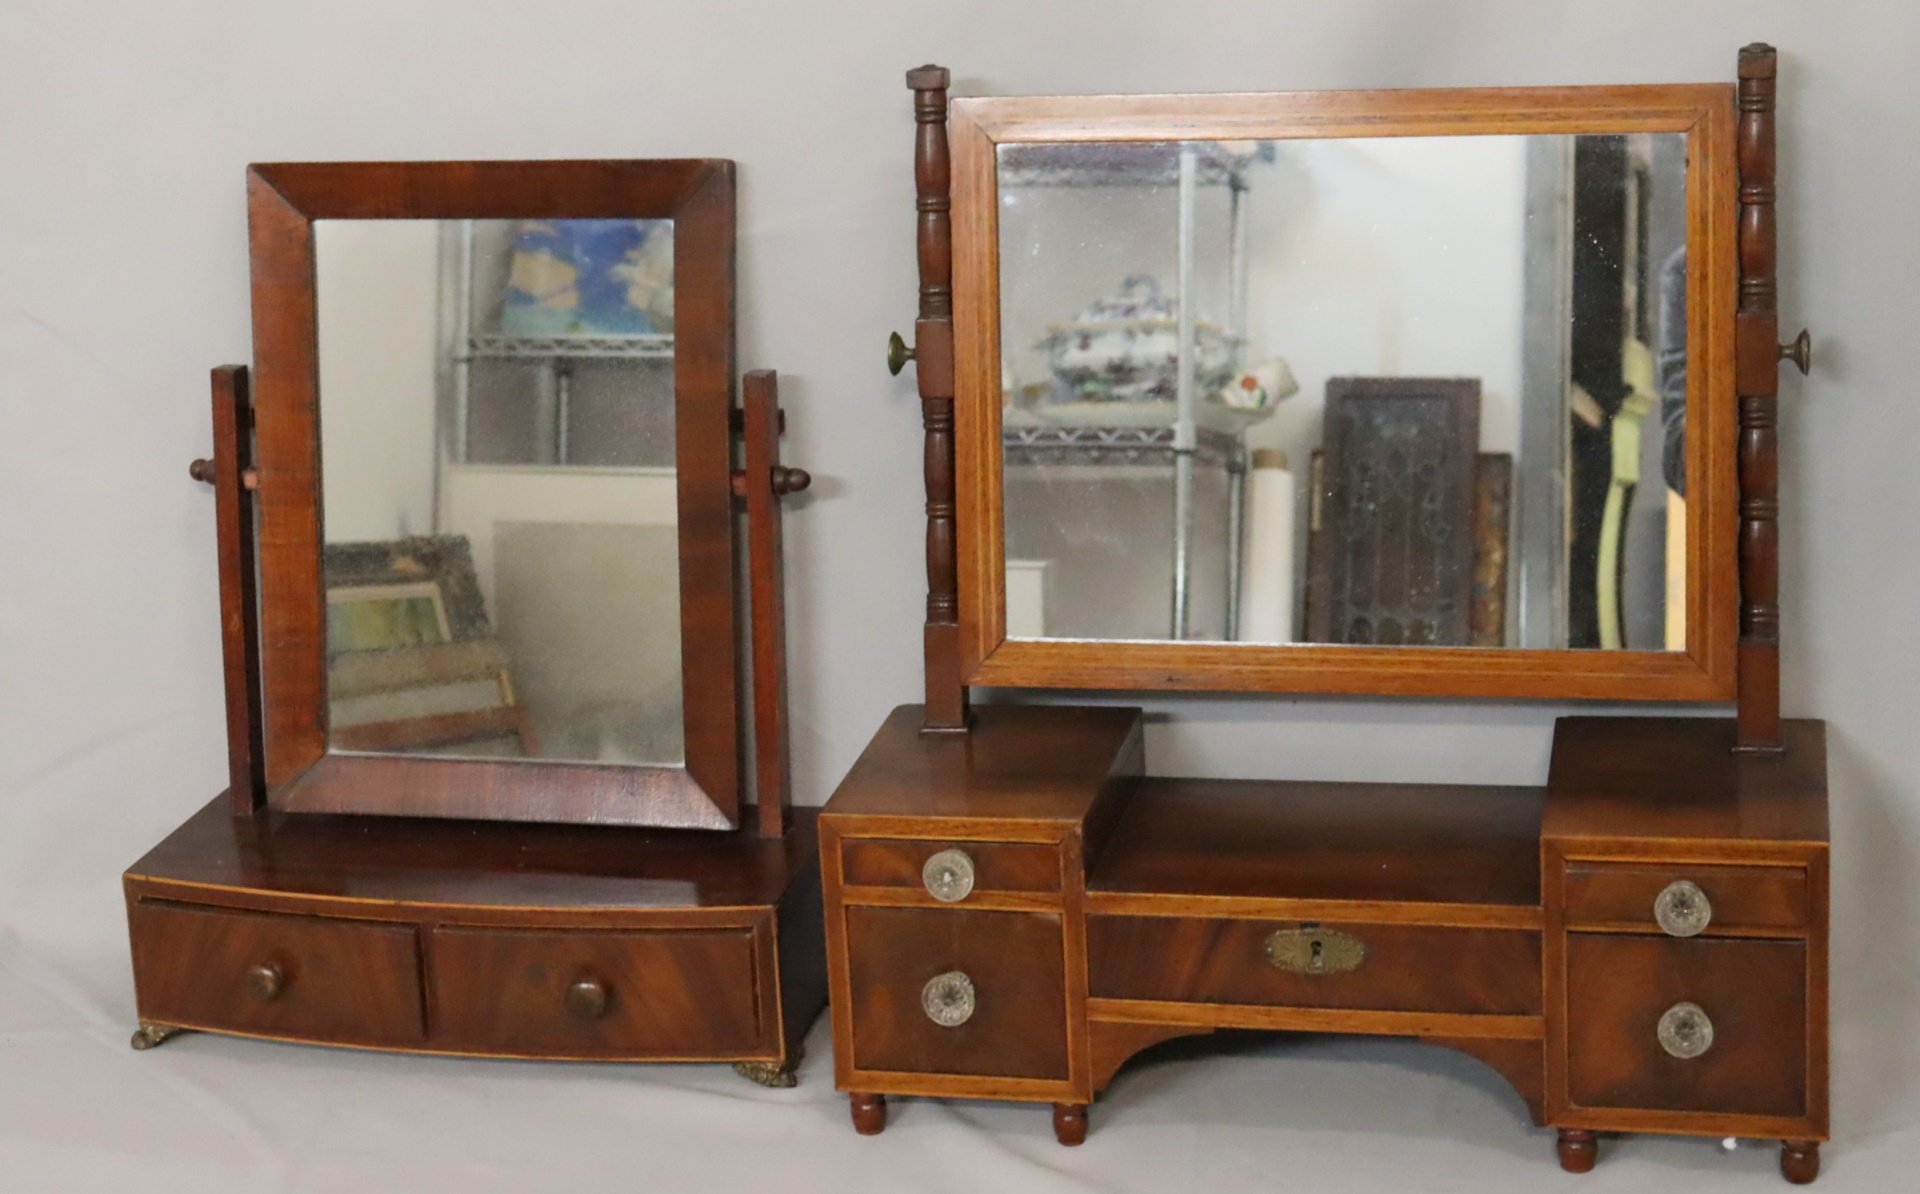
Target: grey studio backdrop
(124,130)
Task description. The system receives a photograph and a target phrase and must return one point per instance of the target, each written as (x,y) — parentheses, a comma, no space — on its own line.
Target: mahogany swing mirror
(1392,392)
(493,409)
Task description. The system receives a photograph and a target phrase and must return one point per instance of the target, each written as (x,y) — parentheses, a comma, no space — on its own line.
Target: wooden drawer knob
(266,981)
(1686,1031)
(948,999)
(948,876)
(1682,909)
(587,999)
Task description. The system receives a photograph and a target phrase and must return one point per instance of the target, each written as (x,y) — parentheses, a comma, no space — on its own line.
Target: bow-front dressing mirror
(1368,392)
(493,408)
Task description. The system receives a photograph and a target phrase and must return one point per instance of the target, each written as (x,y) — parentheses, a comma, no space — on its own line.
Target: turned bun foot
(1578,1150)
(869,1113)
(1070,1123)
(1799,1161)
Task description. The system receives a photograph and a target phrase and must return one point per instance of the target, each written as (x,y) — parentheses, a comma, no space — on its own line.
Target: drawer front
(1014,964)
(994,867)
(691,993)
(1396,968)
(303,977)
(1752,992)
(1738,898)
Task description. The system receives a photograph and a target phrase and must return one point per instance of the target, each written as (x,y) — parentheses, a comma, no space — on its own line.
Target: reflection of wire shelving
(1116,445)
(1182,442)
(571,348)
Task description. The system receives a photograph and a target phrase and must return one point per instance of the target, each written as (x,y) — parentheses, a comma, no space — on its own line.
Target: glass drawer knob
(948,876)
(1682,909)
(948,999)
(1685,1031)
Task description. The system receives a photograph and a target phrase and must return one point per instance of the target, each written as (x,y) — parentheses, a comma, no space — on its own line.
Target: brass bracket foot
(148,1036)
(776,1074)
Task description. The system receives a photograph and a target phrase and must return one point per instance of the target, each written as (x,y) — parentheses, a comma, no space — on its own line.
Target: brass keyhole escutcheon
(1315,951)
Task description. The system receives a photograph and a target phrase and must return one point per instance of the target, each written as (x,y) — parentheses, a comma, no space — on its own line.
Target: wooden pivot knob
(266,981)
(587,999)
(898,354)
(790,480)
(201,470)
(1800,352)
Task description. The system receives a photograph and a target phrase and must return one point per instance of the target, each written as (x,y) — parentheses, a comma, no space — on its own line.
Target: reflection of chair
(426,698)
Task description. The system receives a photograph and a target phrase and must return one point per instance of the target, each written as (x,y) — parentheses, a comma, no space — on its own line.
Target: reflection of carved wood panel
(1392,558)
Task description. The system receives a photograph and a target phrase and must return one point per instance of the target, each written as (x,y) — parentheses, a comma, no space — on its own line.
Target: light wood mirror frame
(1705,671)
(301,773)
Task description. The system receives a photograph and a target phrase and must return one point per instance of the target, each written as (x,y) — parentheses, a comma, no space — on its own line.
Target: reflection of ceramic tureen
(1126,349)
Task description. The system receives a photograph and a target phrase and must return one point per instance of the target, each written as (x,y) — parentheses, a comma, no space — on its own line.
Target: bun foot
(1070,1123)
(869,1113)
(1578,1150)
(1800,1161)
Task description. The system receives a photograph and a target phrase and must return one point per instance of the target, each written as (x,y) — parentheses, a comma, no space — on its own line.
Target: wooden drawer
(1752,992)
(997,867)
(1741,899)
(301,977)
(1015,963)
(678,993)
(1405,967)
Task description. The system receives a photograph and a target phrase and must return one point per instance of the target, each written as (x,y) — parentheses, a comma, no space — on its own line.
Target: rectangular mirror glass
(499,510)
(1404,390)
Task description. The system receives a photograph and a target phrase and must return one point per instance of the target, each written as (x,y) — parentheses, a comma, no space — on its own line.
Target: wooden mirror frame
(1704,671)
(301,773)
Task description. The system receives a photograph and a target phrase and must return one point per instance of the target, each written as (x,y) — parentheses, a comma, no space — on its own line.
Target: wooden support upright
(946,694)
(230,472)
(1758,380)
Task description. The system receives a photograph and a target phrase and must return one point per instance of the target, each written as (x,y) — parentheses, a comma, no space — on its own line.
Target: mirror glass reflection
(1396,390)
(498,488)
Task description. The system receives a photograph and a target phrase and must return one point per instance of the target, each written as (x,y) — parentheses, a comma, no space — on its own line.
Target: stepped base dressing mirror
(1458,394)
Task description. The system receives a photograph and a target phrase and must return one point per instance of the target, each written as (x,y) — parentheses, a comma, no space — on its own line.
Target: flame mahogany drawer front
(1007,1019)
(995,867)
(300,977)
(669,993)
(1622,996)
(1398,967)
(1750,899)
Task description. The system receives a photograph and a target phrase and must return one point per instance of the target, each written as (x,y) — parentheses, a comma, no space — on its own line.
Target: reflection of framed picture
(412,665)
(403,593)
(382,617)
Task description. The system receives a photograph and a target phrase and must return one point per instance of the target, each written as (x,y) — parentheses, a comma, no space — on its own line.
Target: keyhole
(1317,961)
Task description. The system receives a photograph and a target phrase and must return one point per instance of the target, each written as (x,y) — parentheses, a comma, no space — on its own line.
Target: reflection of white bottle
(1266,581)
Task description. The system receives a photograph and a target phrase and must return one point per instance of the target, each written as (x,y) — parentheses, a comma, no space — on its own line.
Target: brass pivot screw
(898,354)
(1800,352)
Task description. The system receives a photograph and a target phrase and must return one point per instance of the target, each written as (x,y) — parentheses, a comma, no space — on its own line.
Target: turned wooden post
(1070,1123)
(1800,1161)
(946,696)
(1757,371)
(230,472)
(1578,1150)
(869,1113)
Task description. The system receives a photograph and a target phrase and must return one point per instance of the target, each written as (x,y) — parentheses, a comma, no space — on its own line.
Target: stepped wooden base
(1514,924)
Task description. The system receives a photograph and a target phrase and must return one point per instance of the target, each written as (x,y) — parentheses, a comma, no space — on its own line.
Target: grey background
(123,274)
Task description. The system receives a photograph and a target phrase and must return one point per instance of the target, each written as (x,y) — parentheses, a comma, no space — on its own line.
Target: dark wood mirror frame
(974,525)
(300,773)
